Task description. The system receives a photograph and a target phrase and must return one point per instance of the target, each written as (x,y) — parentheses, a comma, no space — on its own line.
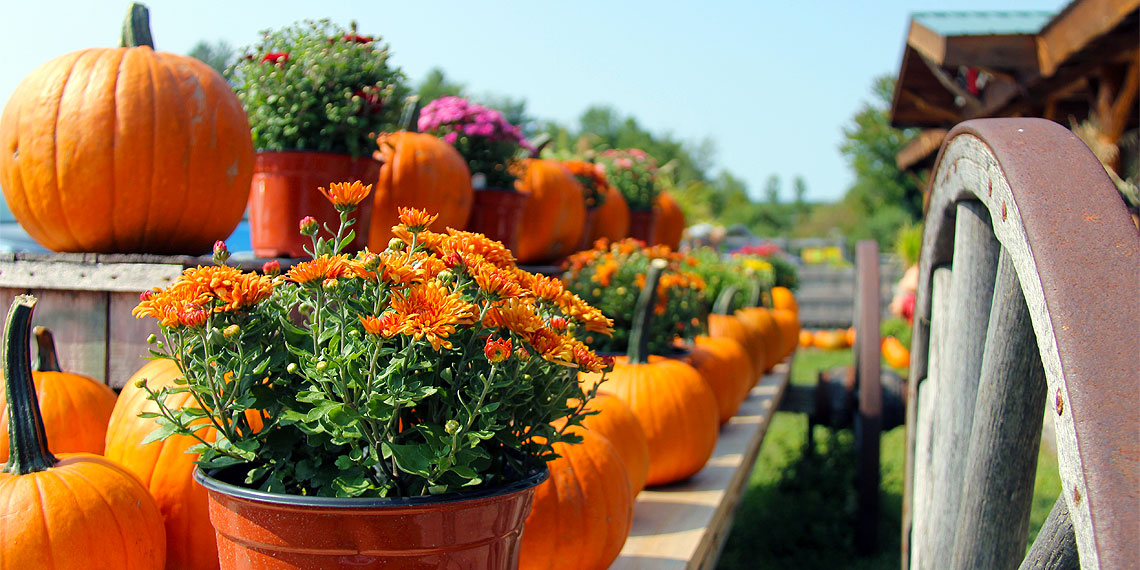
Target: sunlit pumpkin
(612,220)
(616,421)
(896,354)
(554,214)
(759,320)
(670,222)
(726,368)
(125,150)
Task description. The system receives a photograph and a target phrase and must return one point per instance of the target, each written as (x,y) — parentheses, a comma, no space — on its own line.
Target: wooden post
(971,291)
(993,517)
(1056,545)
(869,420)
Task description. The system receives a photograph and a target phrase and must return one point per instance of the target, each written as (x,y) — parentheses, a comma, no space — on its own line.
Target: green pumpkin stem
(539,143)
(410,116)
(724,300)
(754,295)
(47,360)
(136,27)
(27,439)
(638,350)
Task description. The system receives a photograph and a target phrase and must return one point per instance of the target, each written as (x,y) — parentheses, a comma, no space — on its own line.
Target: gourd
(418,170)
(74,408)
(126,150)
(73,511)
(670,222)
(675,406)
(554,213)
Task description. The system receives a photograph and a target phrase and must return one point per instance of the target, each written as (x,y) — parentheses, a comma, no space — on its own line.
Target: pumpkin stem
(724,300)
(136,27)
(47,359)
(27,439)
(755,294)
(638,350)
(410,117)
(539,143)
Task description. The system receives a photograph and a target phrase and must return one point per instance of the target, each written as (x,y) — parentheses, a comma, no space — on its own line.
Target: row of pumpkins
(657,423)
(894,351)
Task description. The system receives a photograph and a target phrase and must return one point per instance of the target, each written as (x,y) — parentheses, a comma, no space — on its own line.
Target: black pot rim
(211,483)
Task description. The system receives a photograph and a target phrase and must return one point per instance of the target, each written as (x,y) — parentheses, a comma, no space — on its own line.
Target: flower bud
(322,365)
(151,339)
(331,284)
(231,331)
(271,268)
(140,383)
(396,244)
(451,427)
(291,368)
(445,276)
(309,226)
(221,252)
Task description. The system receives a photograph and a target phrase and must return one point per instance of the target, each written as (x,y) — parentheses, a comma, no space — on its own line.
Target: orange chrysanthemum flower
(430,312)
(497,350)
(587,314)
(216,288)
(387,325)
(466,242)
(320,269)
(517,315)
(604,273)
(345,196)
(497,283)
(547,288)
(416,220)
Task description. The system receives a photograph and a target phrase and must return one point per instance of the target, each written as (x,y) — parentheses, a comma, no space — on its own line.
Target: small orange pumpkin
(73,511)
(583,513)
(616,421)
(75,408)
(783,298)
(760,321)
(554,214)
(422,171)
(896,355)
(670,221)
(724,365)
(830,339)
(805,338)
(788,324)
(126,150)
(612,220)
(850,336)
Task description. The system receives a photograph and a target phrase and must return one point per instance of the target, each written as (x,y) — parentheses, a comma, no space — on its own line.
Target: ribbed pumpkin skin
(165,469)
(554,214)
(422,171)
(616,421)
(783,298)
(612,220)
(670,224)
(724,365)
(85,512)
(728,326)
(125,150)
(583,513)
(676,408)
(760,321)
(788,323)
(75,409)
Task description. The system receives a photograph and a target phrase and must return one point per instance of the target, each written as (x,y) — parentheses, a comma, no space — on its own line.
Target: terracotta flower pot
(284,190)
(641,225)
(496,214)
(267,531)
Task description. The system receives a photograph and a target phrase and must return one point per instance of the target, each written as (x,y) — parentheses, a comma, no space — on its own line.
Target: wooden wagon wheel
(1027,302)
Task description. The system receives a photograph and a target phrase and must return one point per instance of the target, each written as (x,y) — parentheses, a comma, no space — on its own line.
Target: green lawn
(797,511)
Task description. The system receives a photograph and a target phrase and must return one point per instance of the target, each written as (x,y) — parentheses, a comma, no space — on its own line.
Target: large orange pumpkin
(788,323)
(74,407)
(616,421)
(612,220)
(125,150)
(582,514)
(783,298)
(726,368)
(670,222)
(760,321)
(77,510)
(164,468)
(422,171)
(723,325)
(554,214)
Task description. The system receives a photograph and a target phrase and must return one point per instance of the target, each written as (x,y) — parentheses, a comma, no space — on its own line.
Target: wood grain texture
(993,515)
(1056,545)
(126,338)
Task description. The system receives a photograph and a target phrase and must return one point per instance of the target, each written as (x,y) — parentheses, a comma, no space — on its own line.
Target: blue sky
(772,83)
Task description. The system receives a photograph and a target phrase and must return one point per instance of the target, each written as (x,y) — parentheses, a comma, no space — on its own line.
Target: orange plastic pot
(642,225)
(284,190)
(267,531)
(497,214)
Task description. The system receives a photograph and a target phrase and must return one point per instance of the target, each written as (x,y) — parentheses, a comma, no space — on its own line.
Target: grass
(797,511)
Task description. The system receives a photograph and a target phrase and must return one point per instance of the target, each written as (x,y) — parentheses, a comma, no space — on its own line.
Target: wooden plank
(923,408)
(684,525)
(971,291)
(1075,27)
(126,338)
(78,319)
(70,275)
(1056,545)
(869,419)
(993,517)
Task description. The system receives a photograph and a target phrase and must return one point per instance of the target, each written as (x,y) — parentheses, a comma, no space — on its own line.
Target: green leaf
(409,458)
(165,429)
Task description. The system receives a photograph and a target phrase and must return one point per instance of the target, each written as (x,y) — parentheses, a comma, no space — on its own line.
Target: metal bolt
(1060,403)
(991,184)
(1076,495)
(1003,211)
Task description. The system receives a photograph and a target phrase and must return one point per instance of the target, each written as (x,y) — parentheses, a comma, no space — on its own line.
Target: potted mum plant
(353,393)
(315,93)
(592,177)
(634,173)
(610,277)
(492,147)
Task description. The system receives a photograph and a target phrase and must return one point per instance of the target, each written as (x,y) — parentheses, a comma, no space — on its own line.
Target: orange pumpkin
(760,321)
(582,514)
(74,407)
(830,339)
(783,298)
(422,171)
(805,338)
(164,468)
(788,324)
(670,222)
(726,368)
(72,511)
(125,150)
(616,421)
(850,336)
(897,355)
(612,220)
(554,214)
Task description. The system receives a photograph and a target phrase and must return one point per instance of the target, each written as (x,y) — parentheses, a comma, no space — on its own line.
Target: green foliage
(437,85)
(634,173)
(898,328)
(720,274)
(314,85)
(219,55)
(908,243)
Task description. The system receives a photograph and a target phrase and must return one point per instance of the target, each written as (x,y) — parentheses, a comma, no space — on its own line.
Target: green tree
(436,85)
(218,55)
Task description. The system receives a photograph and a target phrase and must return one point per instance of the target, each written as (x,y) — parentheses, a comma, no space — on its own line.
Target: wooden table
(684,525)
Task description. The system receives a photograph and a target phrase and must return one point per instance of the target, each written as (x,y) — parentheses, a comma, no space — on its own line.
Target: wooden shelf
(684,525)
